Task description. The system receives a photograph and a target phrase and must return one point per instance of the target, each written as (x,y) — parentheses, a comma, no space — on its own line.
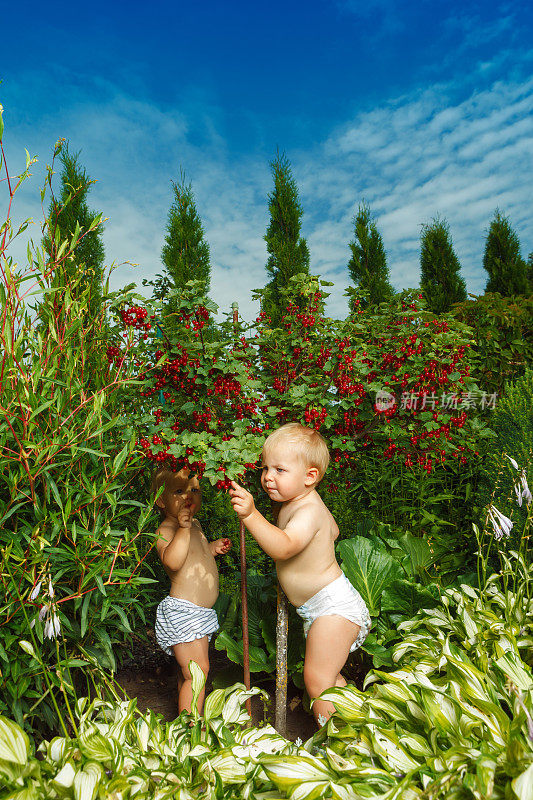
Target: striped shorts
(178,621)
(338,598)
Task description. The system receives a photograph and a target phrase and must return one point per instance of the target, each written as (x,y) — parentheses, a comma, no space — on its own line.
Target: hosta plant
(453,720)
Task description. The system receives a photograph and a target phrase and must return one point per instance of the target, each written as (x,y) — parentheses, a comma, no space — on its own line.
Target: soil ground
(151,677)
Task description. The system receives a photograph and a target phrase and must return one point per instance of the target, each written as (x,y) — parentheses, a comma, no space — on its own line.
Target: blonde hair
(309,446)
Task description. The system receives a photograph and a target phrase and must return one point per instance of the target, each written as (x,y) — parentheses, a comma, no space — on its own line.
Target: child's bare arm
(280,544)
(173,543)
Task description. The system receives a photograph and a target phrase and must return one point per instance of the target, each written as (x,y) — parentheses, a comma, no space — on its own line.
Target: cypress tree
(185,253)
(502,260)
(530,272)
(441,281)
(71,208)
(368,264)
(288,251)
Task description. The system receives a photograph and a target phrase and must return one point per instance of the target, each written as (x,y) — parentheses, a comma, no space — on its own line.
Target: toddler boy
(336,619)
(186,619)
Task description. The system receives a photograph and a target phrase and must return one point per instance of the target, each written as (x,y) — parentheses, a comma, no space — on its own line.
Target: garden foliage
(185,253)
(72,542)
(502,260)
(512,423)
(368,264)
(440,270)
(502,338)
(66,213)
(288,253)
(453,719)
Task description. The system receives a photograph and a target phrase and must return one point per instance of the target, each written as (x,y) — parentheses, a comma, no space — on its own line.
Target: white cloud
(410,158)
(425,155)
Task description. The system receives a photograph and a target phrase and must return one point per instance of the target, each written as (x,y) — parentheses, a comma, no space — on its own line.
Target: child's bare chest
(199,546)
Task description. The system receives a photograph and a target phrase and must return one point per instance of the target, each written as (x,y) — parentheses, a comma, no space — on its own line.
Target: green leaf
(84,610)
(86,781)
(405,598)
(28,648)
(14,743)
(523,785)
(514,668)
(370,569)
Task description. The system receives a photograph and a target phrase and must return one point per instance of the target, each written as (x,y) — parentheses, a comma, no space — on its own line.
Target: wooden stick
(282,630)
(244,607)
(244,588)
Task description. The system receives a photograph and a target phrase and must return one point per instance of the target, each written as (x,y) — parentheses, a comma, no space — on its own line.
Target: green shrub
(72,529)
(502,330)
(512,423)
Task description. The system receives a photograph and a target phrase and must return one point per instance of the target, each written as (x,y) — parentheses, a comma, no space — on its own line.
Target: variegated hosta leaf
(523,785)
(262,740)
(229,768)
(441,712)
(387,746)
(417,745)
(124,716)
(214,704)
(289,772)
(485,772)
(472,630)
(514,668)
(233,712)
(198,682)
(386,709)
(344,792)
(395,692)
(143,734)
(347,700)
(99,748)
(56,749)
(311,790)
(86,781)
(495,722)
(351,768)
(14,743)
(64,778)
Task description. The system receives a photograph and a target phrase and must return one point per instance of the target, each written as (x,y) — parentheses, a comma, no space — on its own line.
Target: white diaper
(341,599)
(179,621)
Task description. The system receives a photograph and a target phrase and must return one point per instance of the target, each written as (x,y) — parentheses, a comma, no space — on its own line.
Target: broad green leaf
(369,569)
(405,598)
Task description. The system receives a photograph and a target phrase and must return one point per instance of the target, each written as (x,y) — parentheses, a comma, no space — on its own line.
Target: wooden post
(244,607)
(282,629)
(244,588)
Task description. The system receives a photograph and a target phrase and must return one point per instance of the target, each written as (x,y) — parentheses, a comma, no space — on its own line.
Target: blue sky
(420,108)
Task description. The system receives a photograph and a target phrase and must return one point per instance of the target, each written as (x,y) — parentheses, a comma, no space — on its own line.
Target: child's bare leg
(328,645)
(185,652)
